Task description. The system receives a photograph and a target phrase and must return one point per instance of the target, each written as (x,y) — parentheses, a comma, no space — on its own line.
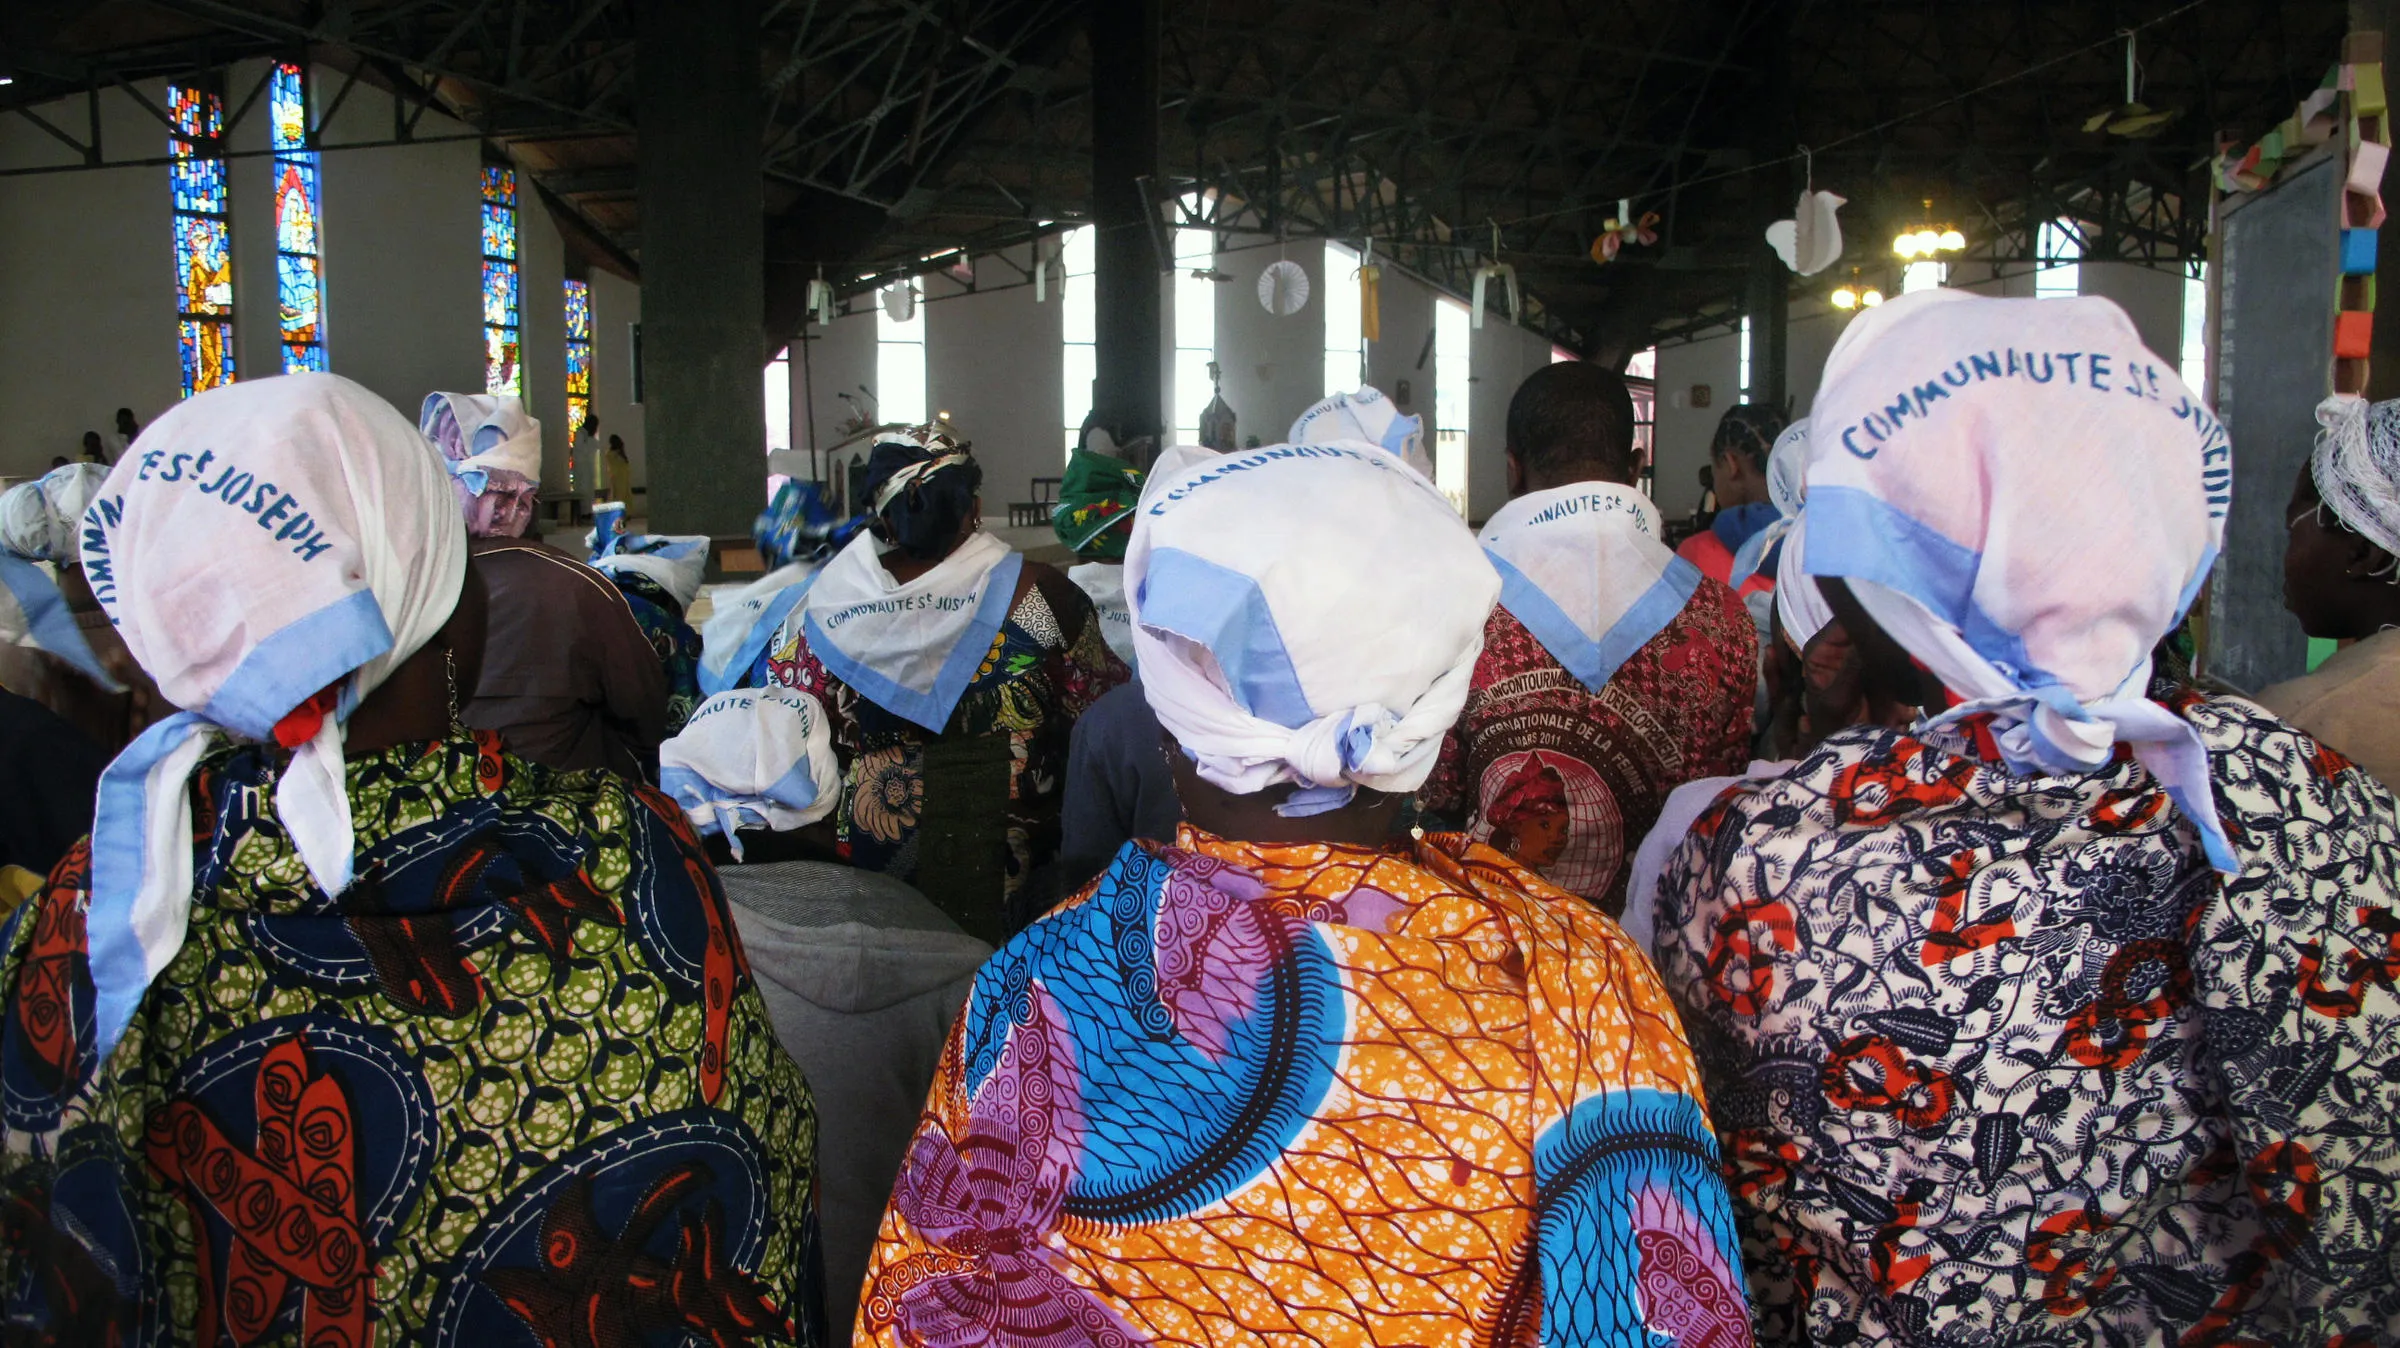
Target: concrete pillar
(1124,40)
(703,256)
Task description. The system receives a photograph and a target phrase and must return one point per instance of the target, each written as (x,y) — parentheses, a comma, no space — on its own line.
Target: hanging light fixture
(1929,240)
(1855,294)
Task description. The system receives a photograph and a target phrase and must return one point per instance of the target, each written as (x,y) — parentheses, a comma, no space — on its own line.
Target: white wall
(1504,355)
(1274,364)
(1684,430)
(87,294)
(616,306)
(87,316)
(994,361)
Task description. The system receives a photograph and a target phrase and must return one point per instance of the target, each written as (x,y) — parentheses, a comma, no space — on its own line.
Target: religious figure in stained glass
(579,356)
(502,370)
(299,265)
(203,239)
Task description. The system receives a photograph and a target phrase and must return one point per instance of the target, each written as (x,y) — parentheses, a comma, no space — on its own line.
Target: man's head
(1570,422)
(1744,439)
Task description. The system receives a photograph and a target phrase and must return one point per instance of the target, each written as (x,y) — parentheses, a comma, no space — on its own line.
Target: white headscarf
(2356,466)
(752,758)
(1582,568)
(2027,500)
(1787,491)
(269,539)
(1798,601)
(910,647)
(1305,613)
(479,433)
(741,623)
(678,562)
(38,522)
(1365,418)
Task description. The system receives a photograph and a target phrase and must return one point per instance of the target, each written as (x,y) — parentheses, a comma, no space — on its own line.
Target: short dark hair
(1573,416)
(1750,430)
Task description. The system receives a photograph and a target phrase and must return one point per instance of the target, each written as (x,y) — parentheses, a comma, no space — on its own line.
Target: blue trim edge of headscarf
(932,707)
(49,622)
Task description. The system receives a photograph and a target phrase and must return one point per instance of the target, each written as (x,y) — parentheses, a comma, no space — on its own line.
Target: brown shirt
(568,678)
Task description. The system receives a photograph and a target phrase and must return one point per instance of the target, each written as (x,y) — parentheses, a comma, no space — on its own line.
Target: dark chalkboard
(2279,254)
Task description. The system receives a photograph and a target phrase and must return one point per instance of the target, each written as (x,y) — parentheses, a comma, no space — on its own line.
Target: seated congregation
(1303,920)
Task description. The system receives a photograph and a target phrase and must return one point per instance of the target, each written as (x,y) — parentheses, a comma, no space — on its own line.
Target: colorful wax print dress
(678,646)
(514,1087)
(966,816)
(1312,1095)
(2001,1060)
(1567,781)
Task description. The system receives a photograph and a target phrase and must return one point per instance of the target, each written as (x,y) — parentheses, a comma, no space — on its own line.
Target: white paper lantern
(1283,288)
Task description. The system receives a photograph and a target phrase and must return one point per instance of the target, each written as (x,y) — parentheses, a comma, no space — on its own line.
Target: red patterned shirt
(1567,781)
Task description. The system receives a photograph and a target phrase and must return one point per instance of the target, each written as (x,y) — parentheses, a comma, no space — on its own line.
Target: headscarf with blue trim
(1366,417)
(1282,641)
(2026,499)
(488,443)
(38,522)
(271,552)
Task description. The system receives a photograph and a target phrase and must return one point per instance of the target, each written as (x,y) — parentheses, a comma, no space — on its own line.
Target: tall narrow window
(1743,357)
(779,401)
(1195,329)
(900,365)
(2061,276)
(502,370)
(1642,364)
(1345,349)
(1079,324)
(2195,331)
(1918,276)
(1453,369)
(299,265)
(203,239)
(579,356)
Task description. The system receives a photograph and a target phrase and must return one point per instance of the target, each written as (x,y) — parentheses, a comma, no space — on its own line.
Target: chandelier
(1855,294)
(1929,240)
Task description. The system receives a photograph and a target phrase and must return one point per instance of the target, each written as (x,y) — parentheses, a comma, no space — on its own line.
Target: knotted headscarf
(2356,466)
(2026,499)
(270,552)
(1787,491)
(1282,641)
(1366,418)
(752,758)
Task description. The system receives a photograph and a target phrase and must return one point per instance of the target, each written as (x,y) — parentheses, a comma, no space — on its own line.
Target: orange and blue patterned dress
(1312,1094)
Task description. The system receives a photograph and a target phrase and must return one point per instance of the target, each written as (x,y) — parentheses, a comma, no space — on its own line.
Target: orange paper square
(2353,335)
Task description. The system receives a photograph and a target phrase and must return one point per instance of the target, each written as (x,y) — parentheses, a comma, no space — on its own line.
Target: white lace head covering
(2356,466)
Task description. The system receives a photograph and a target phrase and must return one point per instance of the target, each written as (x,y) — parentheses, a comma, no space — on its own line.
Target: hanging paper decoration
(1623,229)
(1811,240)
(1501,271)
(1370,295)
(1048,258)
(820,299)
(900,301)
(2131,119)
(1283,288)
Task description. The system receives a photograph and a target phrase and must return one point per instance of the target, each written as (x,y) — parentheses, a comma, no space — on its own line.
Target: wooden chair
(1044,491)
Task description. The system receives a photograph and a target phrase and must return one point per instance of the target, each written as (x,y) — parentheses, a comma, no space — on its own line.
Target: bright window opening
(1643,364)
(2195,332)
(299,260)
(503,368)
(1079,323)
(1918,276)
(2061,249)
(1195,329)
(1345,349)
(1453,374)
(779,401)
(203,239)
(899,366)
(1743,359)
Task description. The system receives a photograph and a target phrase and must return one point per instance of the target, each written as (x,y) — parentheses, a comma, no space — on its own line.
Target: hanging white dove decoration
(1811,240)
(820,301)
(900,301)
(1283,288)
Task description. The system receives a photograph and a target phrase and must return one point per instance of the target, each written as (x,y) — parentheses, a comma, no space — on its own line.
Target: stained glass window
(501,371)
(579,356)
(203,239)
(299,266)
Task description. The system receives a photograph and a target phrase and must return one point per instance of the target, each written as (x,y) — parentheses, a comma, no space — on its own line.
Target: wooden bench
(1044,491)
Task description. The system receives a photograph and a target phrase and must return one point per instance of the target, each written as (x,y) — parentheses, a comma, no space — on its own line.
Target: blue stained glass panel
(579,311)
(500,186)
(499,294)
(499,231)
(287,108)
(304,358)
(296,206)
(296,287)
(207,354)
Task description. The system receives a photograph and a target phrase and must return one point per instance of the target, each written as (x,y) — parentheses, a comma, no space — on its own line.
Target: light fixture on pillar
(1855,294)
(1929,240)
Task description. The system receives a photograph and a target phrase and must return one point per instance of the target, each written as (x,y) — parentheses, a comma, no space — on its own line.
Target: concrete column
(1124,40)
(703,257)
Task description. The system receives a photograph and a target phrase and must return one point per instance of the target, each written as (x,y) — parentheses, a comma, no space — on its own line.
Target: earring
(450,677)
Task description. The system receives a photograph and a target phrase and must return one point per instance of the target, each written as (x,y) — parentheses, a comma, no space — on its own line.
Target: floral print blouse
(2001,1060)
(968,815)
